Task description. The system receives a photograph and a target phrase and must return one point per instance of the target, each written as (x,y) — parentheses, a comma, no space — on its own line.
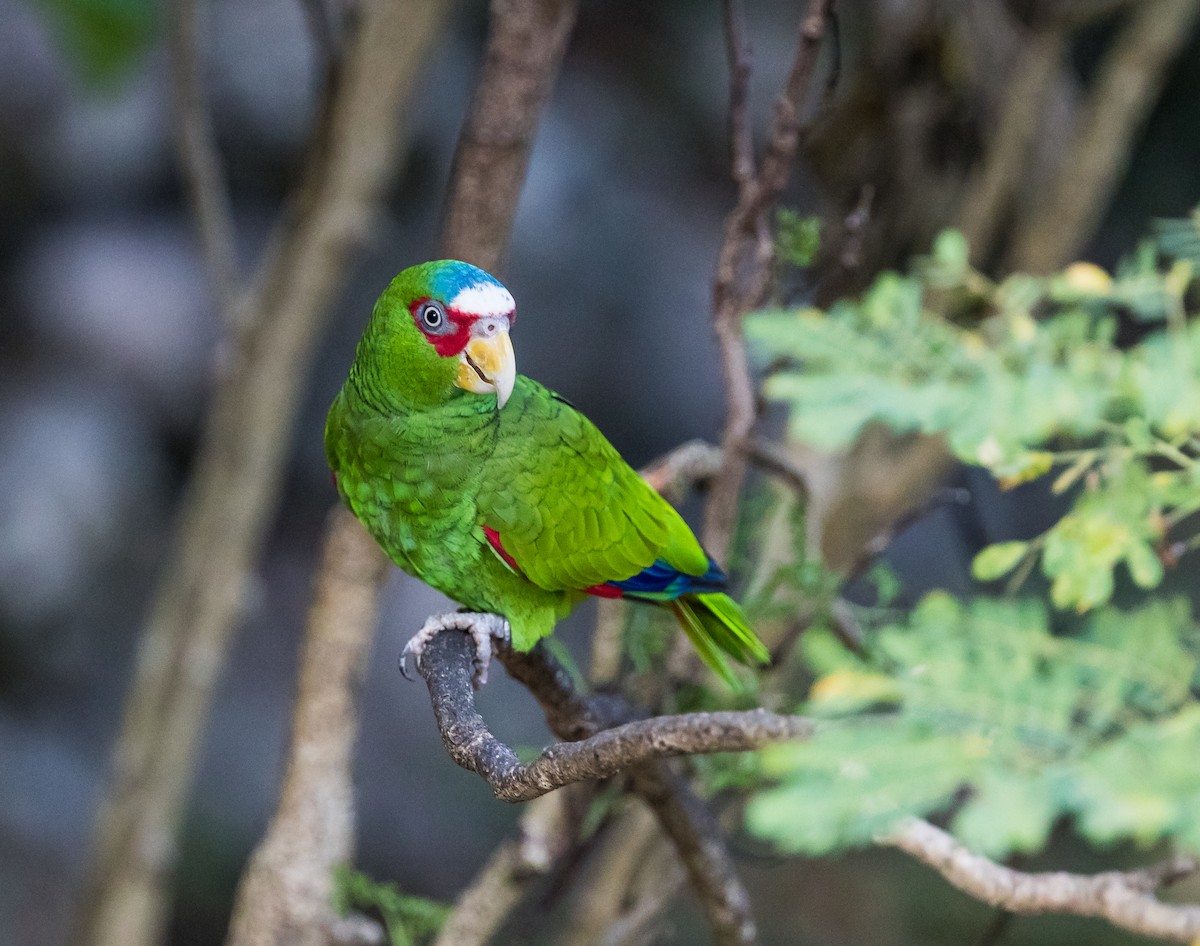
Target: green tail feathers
(716,626)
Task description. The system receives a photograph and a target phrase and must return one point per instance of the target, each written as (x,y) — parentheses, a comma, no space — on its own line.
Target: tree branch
(697,838)
(603,740)
(606,751)
(1122,899)
(285,894)
(631,878)
(741,134)
(526,42)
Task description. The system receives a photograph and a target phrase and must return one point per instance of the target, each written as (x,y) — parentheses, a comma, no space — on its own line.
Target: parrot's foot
(483,628)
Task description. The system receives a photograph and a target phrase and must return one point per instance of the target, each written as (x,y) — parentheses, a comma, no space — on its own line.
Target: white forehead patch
(484,299)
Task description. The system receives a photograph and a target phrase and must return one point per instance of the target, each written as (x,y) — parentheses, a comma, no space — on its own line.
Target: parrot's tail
(716,626)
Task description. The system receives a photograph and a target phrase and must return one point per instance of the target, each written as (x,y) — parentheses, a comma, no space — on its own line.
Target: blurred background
(108,346)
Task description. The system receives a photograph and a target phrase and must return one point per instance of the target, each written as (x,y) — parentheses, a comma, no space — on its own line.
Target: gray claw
(483,628)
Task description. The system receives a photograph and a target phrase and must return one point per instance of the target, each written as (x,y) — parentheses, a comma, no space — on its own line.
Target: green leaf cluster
(1023,377)
(797,237)
(104,37)
(408,919)
(979,711)
(1180,238)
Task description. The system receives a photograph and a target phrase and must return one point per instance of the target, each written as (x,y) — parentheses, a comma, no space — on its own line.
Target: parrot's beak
(488,364)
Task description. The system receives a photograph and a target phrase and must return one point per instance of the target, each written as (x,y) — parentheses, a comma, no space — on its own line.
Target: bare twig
(1122,899)
(1119,101)
(605,751)
(741,134)
(285,894)
(196,152)
(231,495)
(784,134)
(775,460)
(743,263)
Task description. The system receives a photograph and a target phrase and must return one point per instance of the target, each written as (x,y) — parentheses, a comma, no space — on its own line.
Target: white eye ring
(431,315)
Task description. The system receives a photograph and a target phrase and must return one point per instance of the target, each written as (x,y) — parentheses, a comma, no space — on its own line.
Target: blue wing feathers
(662,582)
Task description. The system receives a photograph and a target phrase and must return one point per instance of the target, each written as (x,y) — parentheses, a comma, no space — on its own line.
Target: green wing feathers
(716,627)
(569,509)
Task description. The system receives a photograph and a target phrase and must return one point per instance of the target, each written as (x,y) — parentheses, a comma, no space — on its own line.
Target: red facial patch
(452,343)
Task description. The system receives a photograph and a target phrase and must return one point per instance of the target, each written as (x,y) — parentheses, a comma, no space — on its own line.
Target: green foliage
(1180,238)
(1023,378)
(795,581)
(1002,716)
(797,237)
(978,709)
(409,920)
(104,37)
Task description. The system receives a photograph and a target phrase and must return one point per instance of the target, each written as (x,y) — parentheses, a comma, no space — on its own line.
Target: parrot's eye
(432,316)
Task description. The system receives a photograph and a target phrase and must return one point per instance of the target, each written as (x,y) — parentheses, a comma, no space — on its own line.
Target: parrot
(497,491)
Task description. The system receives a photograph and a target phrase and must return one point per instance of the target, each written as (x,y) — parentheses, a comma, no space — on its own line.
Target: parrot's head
(440,328)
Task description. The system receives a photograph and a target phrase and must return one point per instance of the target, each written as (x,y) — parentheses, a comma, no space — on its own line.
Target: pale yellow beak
(489,365)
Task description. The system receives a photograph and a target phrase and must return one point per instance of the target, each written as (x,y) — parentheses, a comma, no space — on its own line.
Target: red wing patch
(493,538)
(604,591)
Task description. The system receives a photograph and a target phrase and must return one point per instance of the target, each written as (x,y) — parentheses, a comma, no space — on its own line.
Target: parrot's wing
(563,508)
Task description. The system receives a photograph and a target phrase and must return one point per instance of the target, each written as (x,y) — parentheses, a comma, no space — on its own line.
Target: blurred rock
(110,147)
(264,91)
(75,463)
(127,298)
(31,70)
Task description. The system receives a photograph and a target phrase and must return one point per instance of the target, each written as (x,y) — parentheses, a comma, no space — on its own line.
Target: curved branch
(606,740)
(446,667)
(1123,899)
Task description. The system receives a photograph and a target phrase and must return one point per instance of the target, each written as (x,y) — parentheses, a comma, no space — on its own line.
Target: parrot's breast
(414,480)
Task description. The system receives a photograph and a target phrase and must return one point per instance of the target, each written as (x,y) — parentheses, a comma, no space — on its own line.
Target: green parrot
(497,491)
